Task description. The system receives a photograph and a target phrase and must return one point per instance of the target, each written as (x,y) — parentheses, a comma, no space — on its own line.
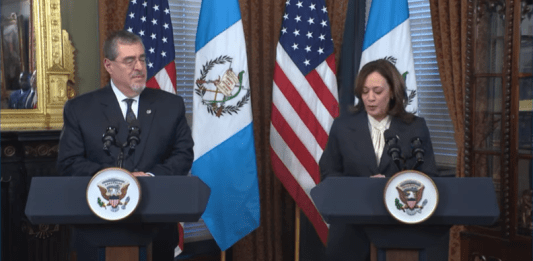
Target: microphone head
(390,135)
(416,142)
(111,130)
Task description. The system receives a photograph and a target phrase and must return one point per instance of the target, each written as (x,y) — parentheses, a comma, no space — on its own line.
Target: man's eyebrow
(133,57)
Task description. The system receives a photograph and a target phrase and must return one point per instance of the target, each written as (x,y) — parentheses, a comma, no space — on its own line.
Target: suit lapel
(396,126)
(146,116)
(360,126)
(110,107)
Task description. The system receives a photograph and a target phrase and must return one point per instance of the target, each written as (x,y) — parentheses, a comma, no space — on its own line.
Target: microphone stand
(120,158)
(418,152)
(109,138)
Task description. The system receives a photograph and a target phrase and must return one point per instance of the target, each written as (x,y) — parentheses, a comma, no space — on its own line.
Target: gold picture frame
(54,65)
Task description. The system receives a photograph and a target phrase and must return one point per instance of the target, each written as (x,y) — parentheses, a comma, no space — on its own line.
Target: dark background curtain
(449,21)
(111,17)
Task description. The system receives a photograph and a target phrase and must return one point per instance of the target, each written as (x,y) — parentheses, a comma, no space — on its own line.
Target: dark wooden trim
(469,90)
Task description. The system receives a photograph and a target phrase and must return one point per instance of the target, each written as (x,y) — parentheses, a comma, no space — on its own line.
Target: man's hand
(140,174)
(378,176)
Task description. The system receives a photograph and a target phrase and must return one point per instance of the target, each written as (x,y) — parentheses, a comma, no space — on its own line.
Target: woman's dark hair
(397,84)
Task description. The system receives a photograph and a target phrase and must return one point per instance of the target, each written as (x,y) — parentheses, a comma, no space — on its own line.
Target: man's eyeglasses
(130,62)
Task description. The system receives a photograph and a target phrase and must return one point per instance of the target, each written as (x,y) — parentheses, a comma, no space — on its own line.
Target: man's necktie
(130,116)
(28,104)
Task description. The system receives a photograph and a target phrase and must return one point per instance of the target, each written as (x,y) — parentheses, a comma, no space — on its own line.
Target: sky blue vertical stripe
(215,17)
(230,171)
(384,16)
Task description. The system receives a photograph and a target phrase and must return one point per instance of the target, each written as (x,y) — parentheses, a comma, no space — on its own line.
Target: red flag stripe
(300,106)
(296,123)
(165,78)
(181,233)
(323,92)
(171,71)
(295,145)
(152,83)
(302,86)
(331,63)
(300,197)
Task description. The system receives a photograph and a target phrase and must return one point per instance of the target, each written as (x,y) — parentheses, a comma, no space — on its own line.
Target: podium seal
(113,194)
(411,196)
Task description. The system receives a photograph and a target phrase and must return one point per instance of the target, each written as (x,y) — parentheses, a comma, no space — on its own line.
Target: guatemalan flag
(388,36)
(224,151)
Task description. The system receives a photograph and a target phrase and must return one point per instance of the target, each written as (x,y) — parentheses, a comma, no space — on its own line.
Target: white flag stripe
(303,87)
(223,128)
(329,78)
(295,122)
(394,44)
(291,162)
(164,81)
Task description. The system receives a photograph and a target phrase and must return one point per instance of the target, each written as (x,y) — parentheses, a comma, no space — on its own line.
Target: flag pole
(297,234)
(223,256)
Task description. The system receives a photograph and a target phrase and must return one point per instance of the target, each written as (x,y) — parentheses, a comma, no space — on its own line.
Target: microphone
(418,151)
(394,150)
(108,138)
(133,135)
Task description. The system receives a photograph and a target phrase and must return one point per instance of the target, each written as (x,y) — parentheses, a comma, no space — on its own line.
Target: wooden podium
(167,199)
(356,200)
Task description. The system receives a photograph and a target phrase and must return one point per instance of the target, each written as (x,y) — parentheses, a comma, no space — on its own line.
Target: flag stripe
(296,123)
(296,101)
(210,28)
(300,197)
(164,81)
(294,143)
(383,17)
(389,19)
(331,63)
(291,162)
(303,88)
(323,92)
(171,72)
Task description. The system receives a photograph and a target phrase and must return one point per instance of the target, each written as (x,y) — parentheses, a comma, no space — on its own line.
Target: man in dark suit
(165,146)
(23,98)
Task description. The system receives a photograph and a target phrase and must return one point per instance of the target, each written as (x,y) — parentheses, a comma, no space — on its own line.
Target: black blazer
(349,151)
(165,148)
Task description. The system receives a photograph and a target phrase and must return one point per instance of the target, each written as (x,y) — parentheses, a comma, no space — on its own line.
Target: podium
(165,199)
(357,200)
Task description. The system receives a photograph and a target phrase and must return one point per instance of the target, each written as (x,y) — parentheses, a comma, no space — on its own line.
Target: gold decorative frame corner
(54,61)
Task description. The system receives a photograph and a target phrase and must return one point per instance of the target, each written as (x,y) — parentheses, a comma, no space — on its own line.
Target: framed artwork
(37,65)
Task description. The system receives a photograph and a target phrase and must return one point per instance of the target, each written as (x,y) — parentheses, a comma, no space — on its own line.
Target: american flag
(150,19)
(304,102)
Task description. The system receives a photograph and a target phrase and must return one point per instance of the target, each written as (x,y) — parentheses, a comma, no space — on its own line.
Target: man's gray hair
(122,37)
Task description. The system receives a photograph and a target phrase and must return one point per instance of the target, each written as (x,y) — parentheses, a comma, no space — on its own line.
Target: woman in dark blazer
(356,146)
